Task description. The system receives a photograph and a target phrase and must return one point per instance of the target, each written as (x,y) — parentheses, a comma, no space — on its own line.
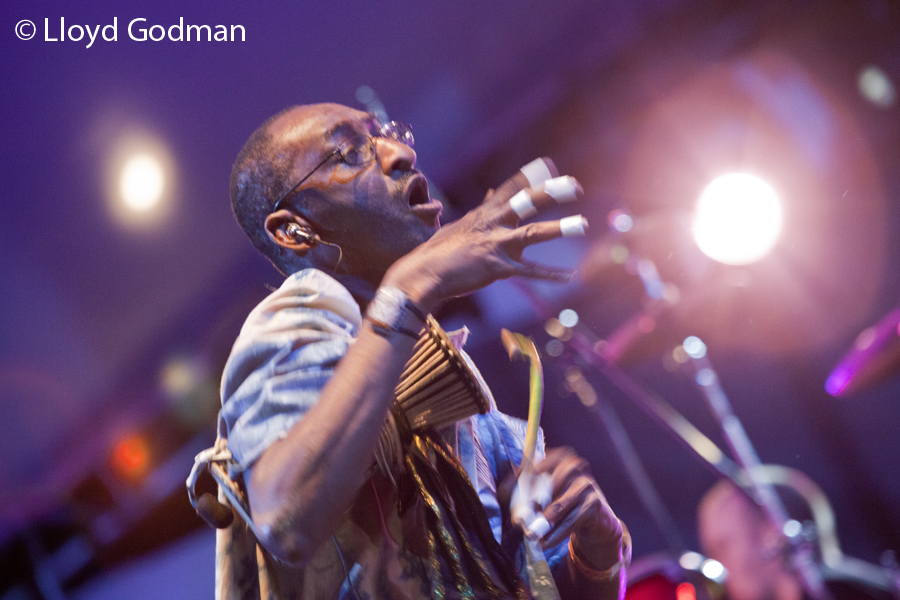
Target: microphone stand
(801,554)
(604,413)
(583,341)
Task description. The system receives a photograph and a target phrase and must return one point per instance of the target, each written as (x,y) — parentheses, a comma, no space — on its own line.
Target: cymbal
(874,357)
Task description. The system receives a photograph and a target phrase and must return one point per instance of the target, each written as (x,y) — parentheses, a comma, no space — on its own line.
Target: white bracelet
(391,311)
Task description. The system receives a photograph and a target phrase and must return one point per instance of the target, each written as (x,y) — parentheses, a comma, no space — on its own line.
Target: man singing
(332,197)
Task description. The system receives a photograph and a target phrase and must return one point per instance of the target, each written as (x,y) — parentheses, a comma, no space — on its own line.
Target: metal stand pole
(801,554)
(583,342)
(604,413)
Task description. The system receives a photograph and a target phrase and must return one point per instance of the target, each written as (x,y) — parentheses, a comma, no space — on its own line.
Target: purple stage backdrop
(118,317)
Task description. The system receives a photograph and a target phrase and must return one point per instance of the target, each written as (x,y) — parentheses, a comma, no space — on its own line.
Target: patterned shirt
(286,352)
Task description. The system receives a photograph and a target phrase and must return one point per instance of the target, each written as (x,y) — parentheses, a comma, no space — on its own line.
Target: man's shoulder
(315,289)
(309,321)
(309,294)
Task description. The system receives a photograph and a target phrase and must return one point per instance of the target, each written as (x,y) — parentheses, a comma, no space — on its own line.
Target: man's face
(733,534)
(376,212)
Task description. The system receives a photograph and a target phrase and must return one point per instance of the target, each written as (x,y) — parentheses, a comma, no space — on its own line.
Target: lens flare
(140,180)
(876,86)
(141,183)
(714,570)
(738,219)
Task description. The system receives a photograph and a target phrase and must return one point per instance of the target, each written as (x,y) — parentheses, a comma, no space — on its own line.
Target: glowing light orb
(694,347)
(620,221)
(131,456)
(179,377)
(685,591)
(568,317)
(691,561)
(714,570)
(141,183)
(737,220)
(876,87)
(792,528)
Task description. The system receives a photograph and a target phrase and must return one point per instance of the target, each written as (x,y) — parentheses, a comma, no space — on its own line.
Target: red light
(130,456)
(685,591)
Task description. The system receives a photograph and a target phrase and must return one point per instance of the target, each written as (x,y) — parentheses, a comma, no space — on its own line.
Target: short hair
(795,505)
(725,491)
(259,178)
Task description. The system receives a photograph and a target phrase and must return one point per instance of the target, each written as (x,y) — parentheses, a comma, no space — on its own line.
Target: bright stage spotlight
(140,180)
(737,220)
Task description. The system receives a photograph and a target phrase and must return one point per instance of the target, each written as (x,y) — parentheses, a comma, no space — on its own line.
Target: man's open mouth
(417,191)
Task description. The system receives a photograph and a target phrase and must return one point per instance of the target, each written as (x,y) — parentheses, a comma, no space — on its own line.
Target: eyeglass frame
(392,130)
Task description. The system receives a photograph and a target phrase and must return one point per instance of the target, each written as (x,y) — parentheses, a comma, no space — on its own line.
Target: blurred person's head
(734,530)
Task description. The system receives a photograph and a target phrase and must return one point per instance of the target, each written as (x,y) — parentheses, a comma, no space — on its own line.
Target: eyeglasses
(358,151)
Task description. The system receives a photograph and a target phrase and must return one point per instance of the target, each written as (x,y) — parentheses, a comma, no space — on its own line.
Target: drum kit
(813,552)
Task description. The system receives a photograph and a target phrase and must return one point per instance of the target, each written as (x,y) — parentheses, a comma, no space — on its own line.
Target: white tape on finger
(540,526)
(536,172)
(522,204)
(562,189)
(572,226)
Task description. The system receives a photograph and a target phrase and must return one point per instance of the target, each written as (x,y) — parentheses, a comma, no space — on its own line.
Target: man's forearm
(301,486)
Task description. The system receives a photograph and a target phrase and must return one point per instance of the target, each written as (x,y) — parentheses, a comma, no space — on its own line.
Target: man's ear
(279,226)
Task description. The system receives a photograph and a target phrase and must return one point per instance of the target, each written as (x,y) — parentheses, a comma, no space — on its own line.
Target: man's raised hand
(487,243)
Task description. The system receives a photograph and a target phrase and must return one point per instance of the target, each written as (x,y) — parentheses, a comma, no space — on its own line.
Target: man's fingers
(529,201)
(533,174)
(539,170)
(507,190)
(553,458)
(565,467)
(543,231)
(537,271)
(579,503)
(516,240)
(559,532)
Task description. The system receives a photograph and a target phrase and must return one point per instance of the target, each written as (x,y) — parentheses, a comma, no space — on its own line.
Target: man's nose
(394,156)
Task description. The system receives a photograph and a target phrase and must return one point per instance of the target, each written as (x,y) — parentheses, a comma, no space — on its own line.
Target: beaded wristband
(391,311)
(606,574)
